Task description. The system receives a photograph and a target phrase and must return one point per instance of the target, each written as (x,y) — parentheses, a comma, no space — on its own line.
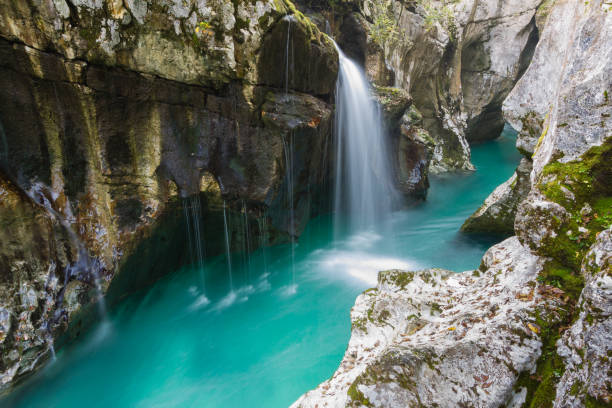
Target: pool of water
(282,330)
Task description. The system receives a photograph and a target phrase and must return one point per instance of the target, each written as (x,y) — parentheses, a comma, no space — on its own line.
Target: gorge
(193,193)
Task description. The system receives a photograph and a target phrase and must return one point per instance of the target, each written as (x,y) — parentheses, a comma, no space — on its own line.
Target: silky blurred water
(268,341)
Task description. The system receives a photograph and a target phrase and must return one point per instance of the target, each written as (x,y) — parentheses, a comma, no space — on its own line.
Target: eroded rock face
(458,61)
(34,246)
(195,42)
(115,116)
(411,146)
(437,338)
(565,93)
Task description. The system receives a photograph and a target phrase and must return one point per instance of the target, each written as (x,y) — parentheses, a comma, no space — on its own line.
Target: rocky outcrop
(569,101)
(411,146)
(118,118)
(438,338)
(496,215)
(571,159)
(569,104)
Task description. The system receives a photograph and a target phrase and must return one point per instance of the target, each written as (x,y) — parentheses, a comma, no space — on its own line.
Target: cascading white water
(246,240)
(227,248)
(364,188)
(288,150)
(192,210)
(289,18)
(263,240)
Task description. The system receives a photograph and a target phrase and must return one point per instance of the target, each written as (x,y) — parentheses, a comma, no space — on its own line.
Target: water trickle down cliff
(122,115)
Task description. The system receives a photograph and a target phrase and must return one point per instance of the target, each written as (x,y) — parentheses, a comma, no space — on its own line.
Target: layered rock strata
(117,116)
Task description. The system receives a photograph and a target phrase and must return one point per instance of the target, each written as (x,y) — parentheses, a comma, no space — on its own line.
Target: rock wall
(117,116)
(411,145)
(531,326)
(458,60)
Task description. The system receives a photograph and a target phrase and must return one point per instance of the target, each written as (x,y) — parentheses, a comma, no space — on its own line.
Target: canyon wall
(531,327)
(458,60)
(115,118)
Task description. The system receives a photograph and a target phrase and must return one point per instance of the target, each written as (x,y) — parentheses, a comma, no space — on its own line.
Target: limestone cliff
(117,116)
(457,59)
(531,327)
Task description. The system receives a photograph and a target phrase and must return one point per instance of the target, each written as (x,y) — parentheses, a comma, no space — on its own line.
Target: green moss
(576,388)
(557,275)
(287,7)
(359,324)
(574,185)
(541,386)
(398,278)
(582,187)
(542,136)
(435,308)
(591,402)
(357,395)
(383,316)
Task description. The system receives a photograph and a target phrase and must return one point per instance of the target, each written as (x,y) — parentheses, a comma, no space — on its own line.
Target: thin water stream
(256,344)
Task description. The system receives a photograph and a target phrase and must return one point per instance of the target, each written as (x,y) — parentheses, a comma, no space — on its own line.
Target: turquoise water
(270,340)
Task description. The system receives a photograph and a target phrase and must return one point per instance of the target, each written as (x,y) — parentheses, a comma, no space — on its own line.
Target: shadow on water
(270,339)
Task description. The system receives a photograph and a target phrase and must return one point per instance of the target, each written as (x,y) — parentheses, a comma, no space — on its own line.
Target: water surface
(269,341)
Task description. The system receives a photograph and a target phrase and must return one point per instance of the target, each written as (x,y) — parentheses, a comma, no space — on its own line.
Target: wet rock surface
(411,146)
(115,117)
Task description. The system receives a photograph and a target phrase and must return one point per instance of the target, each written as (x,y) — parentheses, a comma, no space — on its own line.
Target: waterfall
(192,211)
(288,150)
(364,188)
(246,239)
(289,19)
(263,240)
(227,248)
(84,268)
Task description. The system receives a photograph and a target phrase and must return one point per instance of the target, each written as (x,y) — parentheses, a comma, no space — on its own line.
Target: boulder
(496,215)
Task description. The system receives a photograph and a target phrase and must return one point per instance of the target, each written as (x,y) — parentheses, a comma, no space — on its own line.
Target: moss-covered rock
(496,215)
(580,192)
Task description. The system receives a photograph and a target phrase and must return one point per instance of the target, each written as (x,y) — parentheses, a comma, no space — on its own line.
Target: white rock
(436,338)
